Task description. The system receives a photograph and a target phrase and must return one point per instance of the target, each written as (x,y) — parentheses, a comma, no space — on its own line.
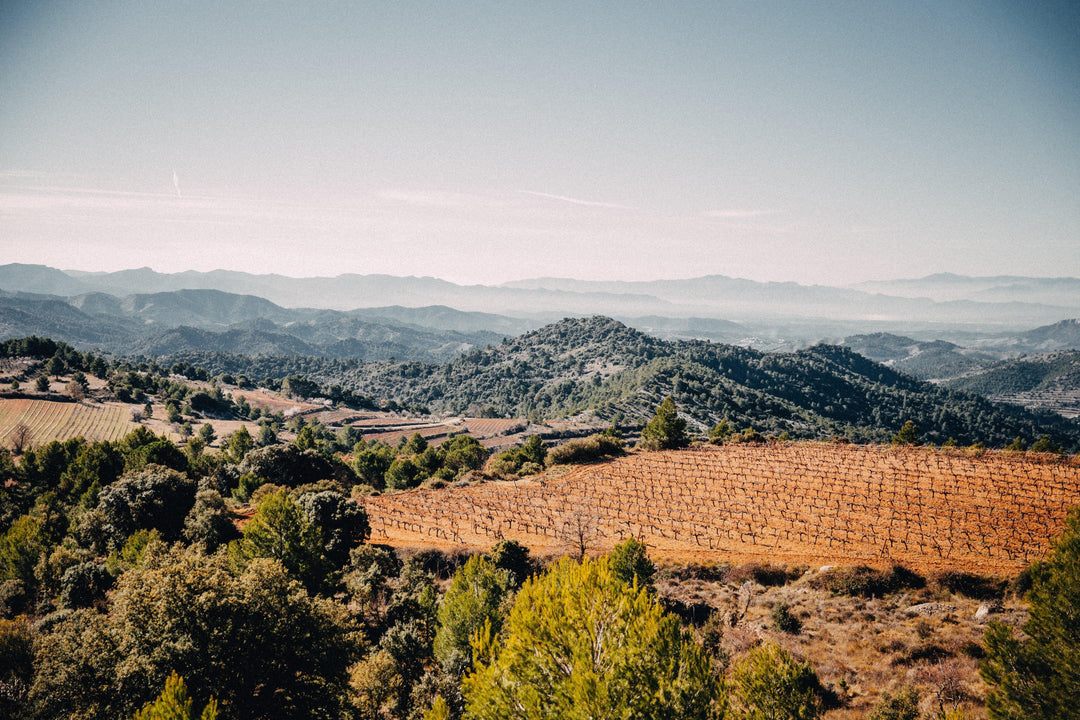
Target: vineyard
(810,503)
(49,420)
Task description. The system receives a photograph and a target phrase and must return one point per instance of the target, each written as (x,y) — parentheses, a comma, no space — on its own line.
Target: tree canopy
(580,643)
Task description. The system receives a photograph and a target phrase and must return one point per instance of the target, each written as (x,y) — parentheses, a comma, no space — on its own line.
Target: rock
(825,568)
(931,608)
(986,610)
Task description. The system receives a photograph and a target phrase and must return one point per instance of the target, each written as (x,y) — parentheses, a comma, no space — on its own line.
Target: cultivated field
(51,420)
(813,503)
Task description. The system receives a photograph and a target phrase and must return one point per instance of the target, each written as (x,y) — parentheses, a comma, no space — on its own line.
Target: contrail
(176,183)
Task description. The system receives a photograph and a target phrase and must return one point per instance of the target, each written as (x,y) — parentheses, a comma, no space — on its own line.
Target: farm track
(50,420)
(797,503)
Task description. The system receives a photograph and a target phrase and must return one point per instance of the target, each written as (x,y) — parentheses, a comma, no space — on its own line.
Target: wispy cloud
(576,201)
(737,214)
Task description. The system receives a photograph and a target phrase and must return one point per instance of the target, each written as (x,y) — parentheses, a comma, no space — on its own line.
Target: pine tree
(174,704)
(666,430)
(580,643)
(1040,677)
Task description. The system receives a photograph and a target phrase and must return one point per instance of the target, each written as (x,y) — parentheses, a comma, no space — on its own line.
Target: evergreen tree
(630,562)
(579,643)
(907,435)
(174,704)
(1040,677)
(475,597)
(666,430)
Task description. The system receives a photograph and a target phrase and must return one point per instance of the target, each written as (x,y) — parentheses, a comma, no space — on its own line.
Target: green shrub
(783,620)
(904,705)
(594,447)
(768,682)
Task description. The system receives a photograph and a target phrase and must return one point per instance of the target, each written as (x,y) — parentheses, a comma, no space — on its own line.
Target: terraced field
(51,420)
(813,503)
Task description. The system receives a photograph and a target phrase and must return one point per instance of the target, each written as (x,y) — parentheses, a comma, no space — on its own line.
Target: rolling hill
(599,367)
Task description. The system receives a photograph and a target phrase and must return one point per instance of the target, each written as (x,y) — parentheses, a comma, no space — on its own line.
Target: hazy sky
(483,142)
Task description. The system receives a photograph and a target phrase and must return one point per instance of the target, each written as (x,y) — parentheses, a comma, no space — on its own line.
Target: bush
(904,705)
(783,620)
(976,587)
(595,447)
(866,581)
(769,683)
(763,574)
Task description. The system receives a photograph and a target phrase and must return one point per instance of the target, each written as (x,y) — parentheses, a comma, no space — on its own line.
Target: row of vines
(797,502)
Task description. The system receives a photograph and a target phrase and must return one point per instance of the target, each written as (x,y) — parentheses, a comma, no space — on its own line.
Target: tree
(252,638)
(464,453)
(280,531)
(55,366)
(342,523)
(206,432)
(907,435)
(148,410)
(20,437)
(287,465)
(75,390)
(267,436)
(82,584)
(416,444)
(174,704)
(239,444)
(402,474)
(473,600)
(512,556)
(666,430)
(769,684)
(209,522)
(153,498)
(630,563)
(21,546)
(1040,677)
(580,643)
(42,383)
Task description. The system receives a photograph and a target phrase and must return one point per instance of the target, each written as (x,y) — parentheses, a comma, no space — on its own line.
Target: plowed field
(808,503)
(49,420)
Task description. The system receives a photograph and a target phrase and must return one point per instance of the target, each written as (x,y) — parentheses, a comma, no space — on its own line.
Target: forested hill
(597,365)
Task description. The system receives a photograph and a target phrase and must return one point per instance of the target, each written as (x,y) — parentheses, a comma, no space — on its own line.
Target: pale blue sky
(482,142)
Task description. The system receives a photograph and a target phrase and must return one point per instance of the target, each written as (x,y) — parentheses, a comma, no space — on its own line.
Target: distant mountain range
(983,304)
(115,312)
(167,323)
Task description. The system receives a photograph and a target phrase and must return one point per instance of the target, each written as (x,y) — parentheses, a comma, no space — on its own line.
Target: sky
(482,142)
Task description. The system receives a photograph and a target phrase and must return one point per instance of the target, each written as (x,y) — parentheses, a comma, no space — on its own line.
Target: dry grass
(860,647)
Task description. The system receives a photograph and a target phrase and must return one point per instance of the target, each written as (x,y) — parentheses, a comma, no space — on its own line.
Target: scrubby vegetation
(142,577)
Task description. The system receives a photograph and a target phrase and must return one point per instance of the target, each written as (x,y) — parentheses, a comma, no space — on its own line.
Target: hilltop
(601,368)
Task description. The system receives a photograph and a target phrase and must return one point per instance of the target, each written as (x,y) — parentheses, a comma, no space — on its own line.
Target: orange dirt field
(792,503)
